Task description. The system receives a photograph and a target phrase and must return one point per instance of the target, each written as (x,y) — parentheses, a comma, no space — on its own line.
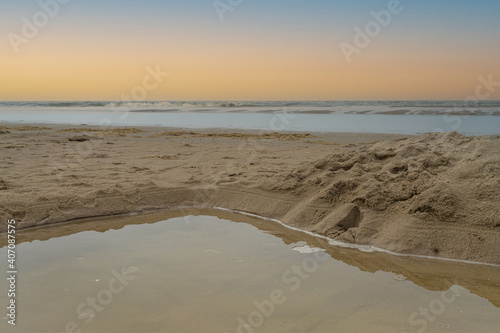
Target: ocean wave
(356,107)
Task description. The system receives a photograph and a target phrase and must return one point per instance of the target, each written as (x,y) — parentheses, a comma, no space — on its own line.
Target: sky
(249,49)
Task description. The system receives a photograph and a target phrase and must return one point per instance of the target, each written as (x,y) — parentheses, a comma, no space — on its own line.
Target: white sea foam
(334,107)
(307,249)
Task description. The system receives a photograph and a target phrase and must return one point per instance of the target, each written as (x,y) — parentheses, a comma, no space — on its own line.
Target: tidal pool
(215,271)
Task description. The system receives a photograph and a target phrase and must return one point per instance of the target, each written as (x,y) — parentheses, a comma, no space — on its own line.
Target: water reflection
(433,275)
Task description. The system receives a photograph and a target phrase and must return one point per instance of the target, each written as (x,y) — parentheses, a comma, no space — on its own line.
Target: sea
(398,117)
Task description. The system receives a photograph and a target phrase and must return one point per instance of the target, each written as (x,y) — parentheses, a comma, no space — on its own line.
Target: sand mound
(438,194)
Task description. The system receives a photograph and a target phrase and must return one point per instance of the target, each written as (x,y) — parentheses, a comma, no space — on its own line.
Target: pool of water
(212,271)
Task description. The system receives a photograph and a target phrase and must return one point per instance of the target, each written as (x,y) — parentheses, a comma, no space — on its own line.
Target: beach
(430,195)
(250,167)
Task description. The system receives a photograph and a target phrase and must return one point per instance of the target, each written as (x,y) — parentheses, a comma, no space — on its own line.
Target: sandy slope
(435,195)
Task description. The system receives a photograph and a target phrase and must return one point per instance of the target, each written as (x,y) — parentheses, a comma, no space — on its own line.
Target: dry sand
(435,195)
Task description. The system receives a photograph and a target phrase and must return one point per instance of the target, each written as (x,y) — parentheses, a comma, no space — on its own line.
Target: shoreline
(289,178)
(407,124)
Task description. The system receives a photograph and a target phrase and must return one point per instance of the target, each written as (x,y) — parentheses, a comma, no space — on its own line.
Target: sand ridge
(434,195)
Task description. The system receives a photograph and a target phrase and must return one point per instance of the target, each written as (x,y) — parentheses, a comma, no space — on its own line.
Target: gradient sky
(262,50)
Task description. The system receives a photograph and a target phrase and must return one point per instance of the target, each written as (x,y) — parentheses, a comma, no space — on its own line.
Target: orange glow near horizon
(247,70)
